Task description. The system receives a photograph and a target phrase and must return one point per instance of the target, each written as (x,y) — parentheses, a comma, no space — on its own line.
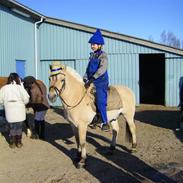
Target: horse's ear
(63,67)
(50,67)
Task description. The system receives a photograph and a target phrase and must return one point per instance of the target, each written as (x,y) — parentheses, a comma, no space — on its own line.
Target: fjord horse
(69,86)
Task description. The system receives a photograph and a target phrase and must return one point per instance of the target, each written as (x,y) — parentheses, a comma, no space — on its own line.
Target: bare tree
(168,38)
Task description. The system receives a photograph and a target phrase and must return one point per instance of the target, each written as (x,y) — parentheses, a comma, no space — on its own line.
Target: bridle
(58,91)
(61,90)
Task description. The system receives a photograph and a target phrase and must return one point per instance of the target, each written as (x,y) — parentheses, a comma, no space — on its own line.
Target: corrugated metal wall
(16,42)
(174,72)
(71,46)
(60,43)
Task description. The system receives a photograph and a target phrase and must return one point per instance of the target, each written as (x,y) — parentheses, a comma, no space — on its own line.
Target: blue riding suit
(101,83)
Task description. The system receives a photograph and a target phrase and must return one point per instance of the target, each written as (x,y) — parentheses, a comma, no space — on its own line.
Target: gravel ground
(159,156)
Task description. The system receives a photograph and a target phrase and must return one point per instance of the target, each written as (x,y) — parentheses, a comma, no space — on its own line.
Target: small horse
(39,102)
(69,86)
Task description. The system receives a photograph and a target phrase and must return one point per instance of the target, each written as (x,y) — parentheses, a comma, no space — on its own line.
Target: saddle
(113,100)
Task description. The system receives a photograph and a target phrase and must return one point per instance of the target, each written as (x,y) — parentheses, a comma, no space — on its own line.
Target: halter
(61,90)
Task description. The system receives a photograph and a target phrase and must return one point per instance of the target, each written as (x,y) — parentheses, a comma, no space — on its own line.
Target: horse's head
(57,80)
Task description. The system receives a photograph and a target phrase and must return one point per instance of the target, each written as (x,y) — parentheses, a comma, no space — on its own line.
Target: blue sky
(138,18)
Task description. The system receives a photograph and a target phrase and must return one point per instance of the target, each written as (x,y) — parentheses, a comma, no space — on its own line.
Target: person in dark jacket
(97,74)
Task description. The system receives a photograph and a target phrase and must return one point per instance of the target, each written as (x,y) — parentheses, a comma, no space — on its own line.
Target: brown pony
(40,101)
(69,86)
(3,81)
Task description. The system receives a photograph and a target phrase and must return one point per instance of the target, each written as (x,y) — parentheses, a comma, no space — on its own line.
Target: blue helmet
(97,38)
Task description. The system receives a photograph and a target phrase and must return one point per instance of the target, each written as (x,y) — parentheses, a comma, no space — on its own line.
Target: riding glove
(87,84)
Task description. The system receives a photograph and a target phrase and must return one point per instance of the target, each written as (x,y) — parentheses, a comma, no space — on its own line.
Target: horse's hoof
(134,145)
(81,164)
(111,150)
(29,133)
(134,148)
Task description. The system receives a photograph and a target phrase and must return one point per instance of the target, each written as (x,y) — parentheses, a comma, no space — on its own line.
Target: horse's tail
(128,100)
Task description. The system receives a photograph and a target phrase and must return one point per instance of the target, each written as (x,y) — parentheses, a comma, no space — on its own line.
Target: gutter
(36,45)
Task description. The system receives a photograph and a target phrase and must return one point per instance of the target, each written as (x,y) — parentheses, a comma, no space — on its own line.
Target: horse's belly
(114,114)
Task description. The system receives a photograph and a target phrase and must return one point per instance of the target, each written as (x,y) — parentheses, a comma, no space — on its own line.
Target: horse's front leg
(28,129)
(76,135)
(82,129)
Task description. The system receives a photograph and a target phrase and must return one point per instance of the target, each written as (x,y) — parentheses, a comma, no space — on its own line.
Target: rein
(59,93)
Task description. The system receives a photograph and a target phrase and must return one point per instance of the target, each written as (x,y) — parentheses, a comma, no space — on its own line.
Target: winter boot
(105,127)
(12,143)
(42,130)
(96,120)
(19,141)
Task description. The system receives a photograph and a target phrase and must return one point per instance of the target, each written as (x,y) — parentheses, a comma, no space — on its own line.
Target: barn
(30,41)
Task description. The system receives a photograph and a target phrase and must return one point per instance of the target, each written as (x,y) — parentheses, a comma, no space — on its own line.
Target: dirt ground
(159,156)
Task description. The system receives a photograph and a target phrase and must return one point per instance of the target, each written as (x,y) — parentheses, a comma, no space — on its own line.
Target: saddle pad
(113,99)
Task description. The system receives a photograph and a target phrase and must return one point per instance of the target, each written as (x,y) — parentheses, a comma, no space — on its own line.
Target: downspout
(36,45)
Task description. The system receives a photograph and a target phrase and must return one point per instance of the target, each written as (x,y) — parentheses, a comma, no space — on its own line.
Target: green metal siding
(16,42)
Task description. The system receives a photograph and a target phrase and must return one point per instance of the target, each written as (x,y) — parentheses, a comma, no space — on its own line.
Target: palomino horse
(69,86)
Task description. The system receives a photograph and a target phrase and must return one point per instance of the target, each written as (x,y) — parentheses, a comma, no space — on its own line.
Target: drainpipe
(36,45)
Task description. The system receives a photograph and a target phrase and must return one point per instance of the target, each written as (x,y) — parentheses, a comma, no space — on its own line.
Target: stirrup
(96,120)
(105,127)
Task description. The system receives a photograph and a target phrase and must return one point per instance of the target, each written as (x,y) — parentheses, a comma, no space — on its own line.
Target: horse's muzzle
(52,96)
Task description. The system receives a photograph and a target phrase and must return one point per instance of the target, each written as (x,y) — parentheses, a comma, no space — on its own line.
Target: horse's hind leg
(130,120)
(115,131)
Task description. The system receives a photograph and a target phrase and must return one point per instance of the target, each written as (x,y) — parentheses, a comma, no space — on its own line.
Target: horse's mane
(74,74)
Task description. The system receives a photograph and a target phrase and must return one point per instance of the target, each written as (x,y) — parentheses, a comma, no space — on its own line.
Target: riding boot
(19,141)
(42,130)
(96,120)
(12,143)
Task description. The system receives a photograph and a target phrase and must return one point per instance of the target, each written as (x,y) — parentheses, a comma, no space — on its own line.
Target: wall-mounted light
(20,12)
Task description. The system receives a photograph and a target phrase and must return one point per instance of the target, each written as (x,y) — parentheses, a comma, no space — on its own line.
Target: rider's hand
(85,80)
(87,84)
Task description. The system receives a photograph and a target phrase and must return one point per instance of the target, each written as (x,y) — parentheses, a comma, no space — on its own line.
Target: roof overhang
(115,35)
(27,12)
(21,9)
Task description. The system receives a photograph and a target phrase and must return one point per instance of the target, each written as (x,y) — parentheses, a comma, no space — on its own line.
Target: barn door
(20,68)
(152,78)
